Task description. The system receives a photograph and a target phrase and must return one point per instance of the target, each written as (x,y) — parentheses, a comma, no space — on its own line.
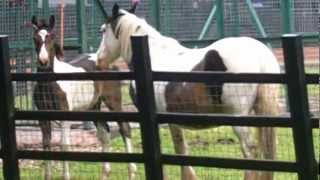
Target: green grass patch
(202,143)
(314,69)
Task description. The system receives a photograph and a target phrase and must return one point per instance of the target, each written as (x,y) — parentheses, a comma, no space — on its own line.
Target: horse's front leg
(181,147)
(113,100)
(104,137)
(125,132)
(65,140)
(45,127)
(248,147)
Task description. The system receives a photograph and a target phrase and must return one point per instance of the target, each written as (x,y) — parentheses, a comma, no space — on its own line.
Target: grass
(216,142)
(314,69)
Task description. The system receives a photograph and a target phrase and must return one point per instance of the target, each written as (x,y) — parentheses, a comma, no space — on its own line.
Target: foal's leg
(65,140)
(45,127)
(181,147)
(65,133)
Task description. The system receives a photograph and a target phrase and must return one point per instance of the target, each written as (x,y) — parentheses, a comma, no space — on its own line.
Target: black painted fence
(299,120)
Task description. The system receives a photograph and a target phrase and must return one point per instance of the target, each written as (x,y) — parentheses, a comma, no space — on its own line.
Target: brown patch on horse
(214,62)
(49,96)
(190,98)
(187,97)
(198,97)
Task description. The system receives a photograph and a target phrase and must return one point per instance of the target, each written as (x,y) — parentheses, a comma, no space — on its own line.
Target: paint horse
(234,55)
(64,95)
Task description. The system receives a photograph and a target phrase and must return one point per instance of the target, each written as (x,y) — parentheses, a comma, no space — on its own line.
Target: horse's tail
(267,104)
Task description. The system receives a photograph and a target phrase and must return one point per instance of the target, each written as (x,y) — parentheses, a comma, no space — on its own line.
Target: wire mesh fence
(80,140)
(217,142)
(179,19)
(214,142)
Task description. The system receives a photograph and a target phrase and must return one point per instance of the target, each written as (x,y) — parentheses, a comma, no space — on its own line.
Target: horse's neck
(46,69)
(157,42)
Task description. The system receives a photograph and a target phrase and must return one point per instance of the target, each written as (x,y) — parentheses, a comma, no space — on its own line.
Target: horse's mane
(129,24)
(58,50)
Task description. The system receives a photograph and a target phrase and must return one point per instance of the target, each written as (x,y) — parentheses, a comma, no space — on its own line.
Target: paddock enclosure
(214,153)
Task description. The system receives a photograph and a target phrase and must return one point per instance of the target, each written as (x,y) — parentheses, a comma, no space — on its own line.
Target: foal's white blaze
(43,55)
(101,52)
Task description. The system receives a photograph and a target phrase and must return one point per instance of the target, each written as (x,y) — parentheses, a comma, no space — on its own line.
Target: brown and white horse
(73,95)
(235,55)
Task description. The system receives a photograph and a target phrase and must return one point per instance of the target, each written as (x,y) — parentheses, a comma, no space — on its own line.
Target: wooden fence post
(146,107)
(7,123)
(299,107)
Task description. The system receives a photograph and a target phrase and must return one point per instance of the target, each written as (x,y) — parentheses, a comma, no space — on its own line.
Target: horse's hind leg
(267,104)
(248,147)
(45,127)
(181,147)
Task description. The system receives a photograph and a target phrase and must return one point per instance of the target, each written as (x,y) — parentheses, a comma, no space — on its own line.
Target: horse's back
(245,54)
(85,61)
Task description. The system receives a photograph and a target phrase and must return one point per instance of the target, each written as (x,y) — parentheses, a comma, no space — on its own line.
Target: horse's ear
(51,22)
(133,8)
(115,10)
(34,22)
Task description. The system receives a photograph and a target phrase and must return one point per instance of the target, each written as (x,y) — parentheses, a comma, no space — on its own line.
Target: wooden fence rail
(299,119)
